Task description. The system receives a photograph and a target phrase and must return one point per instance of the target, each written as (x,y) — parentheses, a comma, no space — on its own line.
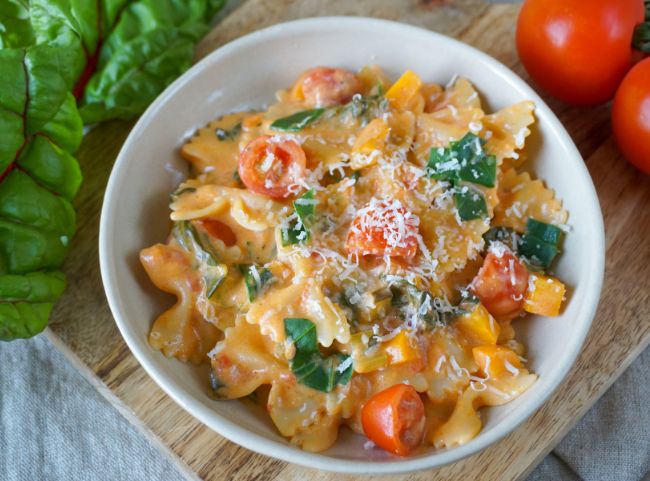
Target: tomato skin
(219,230)
(394,419)
(272,166)
(501,284)
(631,116)
(326,86)
(375,231)
(576,50)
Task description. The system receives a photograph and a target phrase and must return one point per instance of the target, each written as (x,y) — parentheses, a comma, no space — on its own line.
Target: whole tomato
(631,116)
(578,50)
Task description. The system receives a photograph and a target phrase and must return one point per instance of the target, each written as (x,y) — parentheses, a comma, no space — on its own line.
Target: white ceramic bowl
(246,73)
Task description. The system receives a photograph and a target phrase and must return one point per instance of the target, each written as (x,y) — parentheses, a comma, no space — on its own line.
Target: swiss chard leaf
(255,279)
(470,203)
(540,244)
(464,160)
(15,26)
(122,53)
(39,129)
(309,366)
(299,229)
(297,121)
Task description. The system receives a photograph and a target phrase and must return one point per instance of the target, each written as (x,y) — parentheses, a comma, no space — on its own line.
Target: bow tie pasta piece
(506,132)
(521,197)
(181,331)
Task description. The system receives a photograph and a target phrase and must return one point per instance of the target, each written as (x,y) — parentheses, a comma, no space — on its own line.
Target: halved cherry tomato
(501,283)
(394,419)
(325,86)
(631,116)
(219,230)
(578,50)
(384,228)
(271,166)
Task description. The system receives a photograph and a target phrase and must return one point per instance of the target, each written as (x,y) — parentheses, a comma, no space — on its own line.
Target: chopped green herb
(420,305)
(196,243)
(540,244)
(297,121)
(299,229)
(309,366)
(225,134)
(255,280)
(366,108)
(470,203)
(464,160)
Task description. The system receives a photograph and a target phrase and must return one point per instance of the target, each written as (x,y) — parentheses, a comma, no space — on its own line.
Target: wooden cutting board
(84,330)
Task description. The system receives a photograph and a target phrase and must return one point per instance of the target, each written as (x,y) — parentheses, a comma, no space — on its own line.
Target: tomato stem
(641,38)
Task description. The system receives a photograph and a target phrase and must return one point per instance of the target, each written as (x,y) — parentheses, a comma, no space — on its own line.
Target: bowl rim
(285,452)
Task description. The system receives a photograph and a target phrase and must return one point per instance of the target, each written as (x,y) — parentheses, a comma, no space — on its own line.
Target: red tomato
(384,228)
(219,230)
(394,419)
(631,116)
(325,86)
(578,50)
(501,283)
(272,166)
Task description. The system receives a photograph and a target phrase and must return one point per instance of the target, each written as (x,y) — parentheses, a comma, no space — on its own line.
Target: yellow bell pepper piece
(404,90)
(478,326)
(366,359)
(495,361)
(400,349)
(372,138)
(544,296)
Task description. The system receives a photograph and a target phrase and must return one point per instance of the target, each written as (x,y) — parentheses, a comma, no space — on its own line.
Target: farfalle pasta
(360,251)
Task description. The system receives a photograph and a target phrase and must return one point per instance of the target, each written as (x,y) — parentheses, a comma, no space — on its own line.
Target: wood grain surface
(84,330)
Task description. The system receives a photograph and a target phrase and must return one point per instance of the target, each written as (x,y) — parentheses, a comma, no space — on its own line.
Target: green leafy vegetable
(224,134)
(470,203)
(196,243)
(309,366)
(39,129)
(367,108)
(420,307)
(298,230)
(297,121)
(15,27)
(540,243)
(256,280)
(502,234)
(464,160)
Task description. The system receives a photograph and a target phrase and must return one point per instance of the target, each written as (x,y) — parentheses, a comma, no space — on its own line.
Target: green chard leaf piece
(198,244)
(122,53)
(470,203)
(420,307)
(15,26)
(540,244)
(40,128)
(255,279)
(309,366)
(299,228)
(368,107)
(297,121)
(228,134)
(464,160)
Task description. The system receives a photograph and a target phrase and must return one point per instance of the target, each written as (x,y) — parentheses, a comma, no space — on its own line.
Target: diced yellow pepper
(478,326)
(404,90)
(372,137)
(400,349)
(544,296)
(366,359)
(495,361)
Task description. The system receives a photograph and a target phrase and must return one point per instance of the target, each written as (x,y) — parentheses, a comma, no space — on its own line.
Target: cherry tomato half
(326,86)
(272,166)
(631,116)
(219,230)
(578,50)
(394,419)
(384,228)
(501,284)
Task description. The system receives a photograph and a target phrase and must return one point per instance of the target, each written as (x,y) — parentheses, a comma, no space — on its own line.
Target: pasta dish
(356,255)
